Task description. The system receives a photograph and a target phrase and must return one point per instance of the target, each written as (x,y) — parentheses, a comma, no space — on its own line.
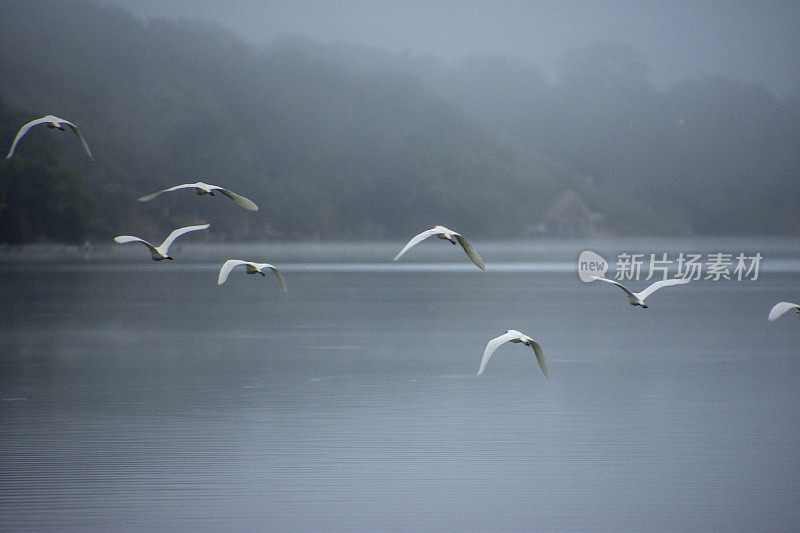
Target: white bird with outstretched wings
(250,268)
(202,189)
(449,235)
(160,252)
(52,122)
(637,298)
(515,336)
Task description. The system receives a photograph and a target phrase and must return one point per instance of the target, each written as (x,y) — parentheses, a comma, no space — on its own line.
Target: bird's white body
(202,189)
(250,268)
(637,298)
(160,252)
(449,235)
(52,122)
(515,336)
(780,308)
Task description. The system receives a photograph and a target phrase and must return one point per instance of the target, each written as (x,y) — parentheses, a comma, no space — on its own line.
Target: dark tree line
(708,156)
(340,142)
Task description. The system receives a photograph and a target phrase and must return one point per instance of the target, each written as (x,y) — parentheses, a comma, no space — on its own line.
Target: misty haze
(150,384)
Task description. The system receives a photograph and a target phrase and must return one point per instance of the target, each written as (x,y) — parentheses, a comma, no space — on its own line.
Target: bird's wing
(123,239)
(148,197)
(415,240)
(600,278)
(779,308)
(280,277)
(177,233)
(539,356)
(473,255)
(491,346)
(241,200)
(658,284)
(78,133)
(23,130)
(226,269)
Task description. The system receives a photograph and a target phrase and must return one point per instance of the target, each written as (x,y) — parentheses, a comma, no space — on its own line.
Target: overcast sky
(755,42)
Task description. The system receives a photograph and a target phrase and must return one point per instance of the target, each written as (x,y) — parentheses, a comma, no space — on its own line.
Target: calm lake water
(141,395)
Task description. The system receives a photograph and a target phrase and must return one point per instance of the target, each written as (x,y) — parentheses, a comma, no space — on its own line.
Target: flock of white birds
(160,252)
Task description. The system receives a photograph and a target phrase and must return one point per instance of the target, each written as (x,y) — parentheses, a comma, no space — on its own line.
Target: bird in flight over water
(160,252)
(637,298)
(250,268)
(52,122)
(448,235)
(515,336)
(202,189)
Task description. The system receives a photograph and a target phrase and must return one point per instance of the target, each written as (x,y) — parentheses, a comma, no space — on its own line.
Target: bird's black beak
(644,306)
(168,257)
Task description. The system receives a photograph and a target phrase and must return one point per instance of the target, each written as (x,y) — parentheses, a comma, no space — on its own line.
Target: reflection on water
(136,396)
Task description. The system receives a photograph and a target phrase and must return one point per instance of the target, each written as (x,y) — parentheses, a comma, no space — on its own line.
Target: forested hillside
(337,143)
(324,152)
(712,155)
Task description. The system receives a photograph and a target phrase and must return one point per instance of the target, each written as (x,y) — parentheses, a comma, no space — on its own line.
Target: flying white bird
(781,307)
(637,298)
(52,122)
(251,268)
(446,234)
(204,188)
(513,335)
(160,252)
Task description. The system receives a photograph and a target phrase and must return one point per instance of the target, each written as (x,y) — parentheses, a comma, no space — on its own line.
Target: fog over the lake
(755,42)
(373,120)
